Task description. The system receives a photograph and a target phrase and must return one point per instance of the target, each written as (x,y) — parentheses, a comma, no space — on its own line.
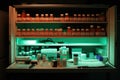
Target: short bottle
(75,59)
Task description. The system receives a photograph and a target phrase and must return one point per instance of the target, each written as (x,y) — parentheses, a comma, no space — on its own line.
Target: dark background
(4,45)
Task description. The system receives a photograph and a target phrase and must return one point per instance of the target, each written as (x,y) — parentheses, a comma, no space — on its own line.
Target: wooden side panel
(111,32)
(12,28)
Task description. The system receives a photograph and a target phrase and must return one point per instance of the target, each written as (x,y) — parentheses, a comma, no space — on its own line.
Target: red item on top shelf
(23,15)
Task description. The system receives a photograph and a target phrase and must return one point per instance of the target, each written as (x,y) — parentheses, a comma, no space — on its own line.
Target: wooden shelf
(60,36)
(60,6)
(63,22)
(64,44)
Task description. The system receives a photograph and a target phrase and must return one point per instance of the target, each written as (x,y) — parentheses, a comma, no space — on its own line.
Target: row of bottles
(94,17)
(92,30)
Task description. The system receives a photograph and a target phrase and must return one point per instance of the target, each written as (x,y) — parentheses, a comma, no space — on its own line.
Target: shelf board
(60,36)
(60,6)
(65,44)
(63,22)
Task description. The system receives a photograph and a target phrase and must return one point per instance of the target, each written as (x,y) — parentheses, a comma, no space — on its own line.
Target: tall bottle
(23,15)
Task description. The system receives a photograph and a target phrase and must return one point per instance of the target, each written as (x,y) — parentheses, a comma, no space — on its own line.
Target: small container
(97,17)
(37,18)
(73,32)
(18,32)
(46,17)
(79,17)
(88,17)
(42,17)
(98,31)
(28,32)
(23,32)
(44,58)
(75,59)
(62,17)
(82,32)
(54,63)
(78,32)
(38,56)
(92,30)
(64,63)
(74,17)
(87,32)
(103,33)
(19,17)
(83,18)
(66,17)
(23,15)
(28,18)
(92,18)
(51,17)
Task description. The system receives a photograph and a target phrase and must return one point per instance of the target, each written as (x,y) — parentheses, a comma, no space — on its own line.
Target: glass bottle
(28,18)
(103,32)
(19,18)
(37,18)
(87,32)
(28,32)
(23,15)
(92,30)
(46,17)
(102,17)
(46,32)
(42,17)
(66,17)
(32,32)
(73,32)
(92,17)
(97,17)
(98,30)
(18,32)
(78,32)
(62,17)
(23,32)
(74,17)
(51,32)
(75,59)
(82,32)
(83,17)
(79,17)
(68,31)
(88,17)
(51,17)
(37,32)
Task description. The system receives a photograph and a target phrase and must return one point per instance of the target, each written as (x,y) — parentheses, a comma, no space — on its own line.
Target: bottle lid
(75,15)
(27,15)
(61,15)
(66,14)
(42,15)
(92,15)
(88,15)
(19,15)
(83,15)
(37,15)
(46,15)
(75,54)
(91,26)
(79,15)
(51,15)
